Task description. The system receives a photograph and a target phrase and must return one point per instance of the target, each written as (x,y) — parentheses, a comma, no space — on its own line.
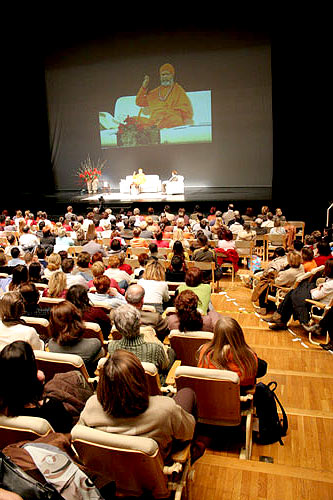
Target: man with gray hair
(127,322)
(135,296)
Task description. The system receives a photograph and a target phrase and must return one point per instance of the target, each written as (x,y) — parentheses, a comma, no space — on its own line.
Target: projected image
(167,114)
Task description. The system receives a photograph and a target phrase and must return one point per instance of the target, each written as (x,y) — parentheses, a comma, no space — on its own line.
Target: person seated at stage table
(187,318)
(137,240)
(174,178)
(138,179)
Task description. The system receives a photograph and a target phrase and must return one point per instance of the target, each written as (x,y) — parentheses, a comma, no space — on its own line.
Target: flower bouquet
(135,133)
(89,173)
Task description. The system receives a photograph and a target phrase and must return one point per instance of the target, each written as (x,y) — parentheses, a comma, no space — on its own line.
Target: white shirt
(156,292)
(28,240)
(118,274)
(324,292)
(9,334)
(75,279)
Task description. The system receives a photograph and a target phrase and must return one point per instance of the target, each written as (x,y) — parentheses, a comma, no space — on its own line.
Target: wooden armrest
(181,455)
(316,303)
(170,380)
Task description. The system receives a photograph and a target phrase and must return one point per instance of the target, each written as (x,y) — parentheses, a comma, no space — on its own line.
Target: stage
(192,194)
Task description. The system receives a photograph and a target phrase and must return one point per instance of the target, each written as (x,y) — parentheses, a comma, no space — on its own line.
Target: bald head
(134,295)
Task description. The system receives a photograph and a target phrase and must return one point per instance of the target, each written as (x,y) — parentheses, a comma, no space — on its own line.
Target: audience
(57,286)
(155,286)
(12,327)
(122,405)
(194,282)
(105,293)
(22,394)
(67,329)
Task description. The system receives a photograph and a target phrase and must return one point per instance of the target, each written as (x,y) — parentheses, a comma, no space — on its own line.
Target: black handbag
(13,478)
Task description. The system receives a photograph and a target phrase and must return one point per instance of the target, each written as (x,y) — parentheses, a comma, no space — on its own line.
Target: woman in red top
(229,351)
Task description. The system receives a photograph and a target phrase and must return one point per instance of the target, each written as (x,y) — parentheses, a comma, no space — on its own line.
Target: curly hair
(186,304)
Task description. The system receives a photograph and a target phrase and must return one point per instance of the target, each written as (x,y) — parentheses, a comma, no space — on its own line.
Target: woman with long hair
(22,394)
(122,405)
(178,249)
(67,329)
(228,350)
(20,275)
(78,295)
(57,286)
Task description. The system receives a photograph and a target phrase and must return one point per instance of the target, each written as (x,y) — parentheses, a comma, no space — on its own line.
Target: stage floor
(192,194)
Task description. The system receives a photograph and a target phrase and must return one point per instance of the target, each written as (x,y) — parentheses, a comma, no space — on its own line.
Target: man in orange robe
(168,104)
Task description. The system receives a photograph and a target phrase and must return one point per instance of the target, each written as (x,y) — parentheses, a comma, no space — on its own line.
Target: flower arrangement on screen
(135,133)
(89,171)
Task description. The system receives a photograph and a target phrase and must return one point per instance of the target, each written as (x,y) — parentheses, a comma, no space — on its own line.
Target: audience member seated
(16,257)
(308,259)
(66,330)
(145,232)
(228,350)
(127,320)
(40,253)
(57,286)
(247,233)
(12,327)
(63,242)
(47,240)
(179,251)
(179,235)
(78,295)
(105,293)
(285,277)
(203,253)
(3,264)
(28,241)
(98,269)
(35,273)
(80,236)
(155,286)
(137,240)
(19,275)
(216,227)
(122,405)
(31,297)
(294,303)
(225,240)
(113,272)
(159,240)
(53,265)
(187,317)
(322,253)
(115,247)
(175,271)
(123,266)
(194,282)
(277,228)
(82,266)
(67,266)
(135,296)
(92,246)
(22,394)
(143,258)
(269,222)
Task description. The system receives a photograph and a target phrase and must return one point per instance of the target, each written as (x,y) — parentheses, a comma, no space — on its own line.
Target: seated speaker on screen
(166,114)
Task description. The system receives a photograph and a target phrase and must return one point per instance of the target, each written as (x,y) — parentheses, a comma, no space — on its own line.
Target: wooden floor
(302,468)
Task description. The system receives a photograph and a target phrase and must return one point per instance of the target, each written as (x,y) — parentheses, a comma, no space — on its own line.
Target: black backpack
(271,427)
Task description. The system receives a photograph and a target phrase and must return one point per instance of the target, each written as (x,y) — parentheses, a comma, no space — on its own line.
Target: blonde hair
(294,259)
(54,262)
(155,271)
(97,268)
(57,284)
